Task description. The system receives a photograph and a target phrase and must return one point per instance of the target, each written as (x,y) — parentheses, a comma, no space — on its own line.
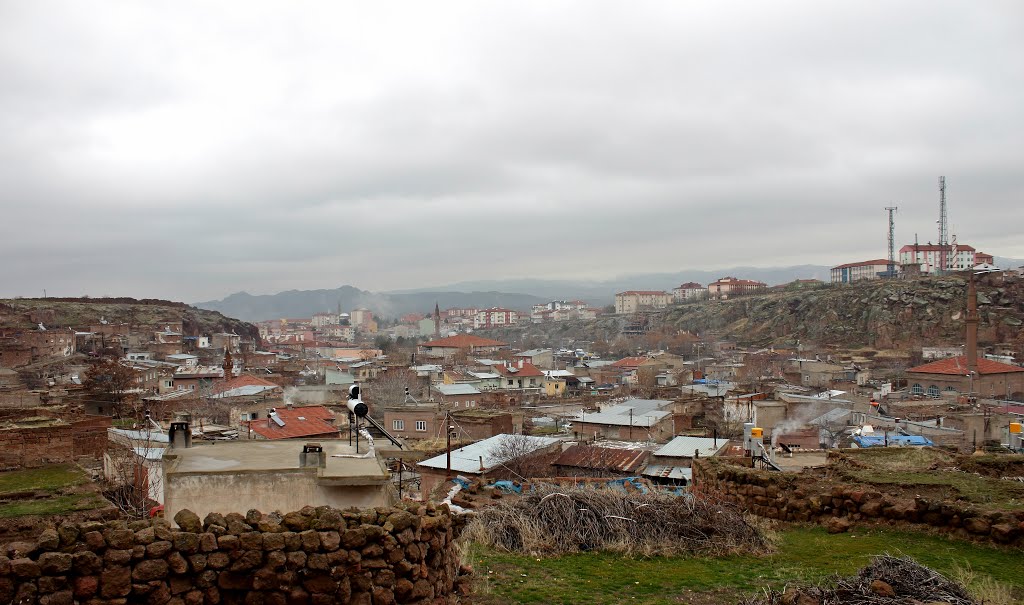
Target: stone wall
(793,497)
(315,556)
(32,447)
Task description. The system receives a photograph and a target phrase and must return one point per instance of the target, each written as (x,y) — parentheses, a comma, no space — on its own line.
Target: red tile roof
(629,362)
(958,366)
(309,421)
(659,292)
(243,380)
(935,248)
(464,341)
(690,285)
(527,370)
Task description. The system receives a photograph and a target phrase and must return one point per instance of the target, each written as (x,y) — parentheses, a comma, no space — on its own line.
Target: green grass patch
(49,478)
(58,505)
(804,555)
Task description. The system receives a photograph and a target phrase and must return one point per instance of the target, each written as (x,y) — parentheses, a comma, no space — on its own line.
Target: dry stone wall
(792,497)
(314,556)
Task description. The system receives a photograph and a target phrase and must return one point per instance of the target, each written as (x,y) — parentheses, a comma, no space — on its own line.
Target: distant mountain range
(304,303)
(603,292)
(509,293)
(482,294)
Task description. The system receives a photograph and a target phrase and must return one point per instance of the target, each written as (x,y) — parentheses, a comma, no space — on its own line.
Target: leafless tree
(108,382)
(132,474)
(833,430)
(389,389)
(519,457)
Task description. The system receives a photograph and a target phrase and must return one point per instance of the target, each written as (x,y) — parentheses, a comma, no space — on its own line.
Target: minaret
(972,327)
(437,321)
(229,365)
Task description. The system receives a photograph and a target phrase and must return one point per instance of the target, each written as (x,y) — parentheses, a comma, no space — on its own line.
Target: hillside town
(573,303)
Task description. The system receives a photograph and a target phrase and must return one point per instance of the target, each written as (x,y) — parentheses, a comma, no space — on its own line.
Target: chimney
(179,435)
(312,456)
(972,327)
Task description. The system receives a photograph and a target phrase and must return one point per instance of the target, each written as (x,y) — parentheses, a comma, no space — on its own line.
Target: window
(949,389)
(509,383)
(398,425)
(933,391)
(917,389)
(421,425)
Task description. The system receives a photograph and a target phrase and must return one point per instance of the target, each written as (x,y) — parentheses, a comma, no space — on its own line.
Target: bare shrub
(887,580)
(552,519)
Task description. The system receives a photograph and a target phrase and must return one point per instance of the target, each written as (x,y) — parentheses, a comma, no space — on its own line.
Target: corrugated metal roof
(150,453)
(684,447)
(457,389)
(645,412)
(533,352)
(467,459)
(834,415)
(645,420)
(140,436)
(668,472)
(595,457)
(244,391)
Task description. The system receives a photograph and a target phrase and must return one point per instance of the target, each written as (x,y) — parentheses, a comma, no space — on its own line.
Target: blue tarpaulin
(881,440)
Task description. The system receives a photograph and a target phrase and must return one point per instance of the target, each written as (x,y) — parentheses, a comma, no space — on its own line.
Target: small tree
(832,429)
(107,382)
(132,474)
(389,389)
(519,457)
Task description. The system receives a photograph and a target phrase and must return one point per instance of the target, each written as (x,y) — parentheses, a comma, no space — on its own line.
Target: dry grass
(552,520)
(984,588)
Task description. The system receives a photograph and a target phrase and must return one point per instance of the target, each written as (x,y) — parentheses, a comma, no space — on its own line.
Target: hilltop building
(851,272)
(930,258)
(689,291)
(728,287)
(632,301)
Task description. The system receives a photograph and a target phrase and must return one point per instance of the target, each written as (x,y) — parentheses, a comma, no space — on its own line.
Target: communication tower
(892,241)
(943,225)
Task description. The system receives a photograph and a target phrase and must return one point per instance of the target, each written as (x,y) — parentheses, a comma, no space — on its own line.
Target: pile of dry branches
(886,581)
(553,520)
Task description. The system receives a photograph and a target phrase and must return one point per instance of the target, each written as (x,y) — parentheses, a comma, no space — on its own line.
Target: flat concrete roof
(254,456)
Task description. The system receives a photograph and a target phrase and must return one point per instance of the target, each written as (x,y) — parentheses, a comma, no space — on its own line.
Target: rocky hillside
(80,313)
(877,314)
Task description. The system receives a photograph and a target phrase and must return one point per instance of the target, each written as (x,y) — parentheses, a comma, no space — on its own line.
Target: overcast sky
(187,150)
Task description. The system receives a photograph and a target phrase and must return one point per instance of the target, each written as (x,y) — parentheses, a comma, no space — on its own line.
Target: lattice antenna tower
(892,240)
(943,224)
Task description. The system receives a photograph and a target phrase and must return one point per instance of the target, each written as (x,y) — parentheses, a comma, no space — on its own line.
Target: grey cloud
(188,150)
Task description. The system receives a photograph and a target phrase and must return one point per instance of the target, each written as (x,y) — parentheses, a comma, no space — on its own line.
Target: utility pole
(448,447)
(892,240)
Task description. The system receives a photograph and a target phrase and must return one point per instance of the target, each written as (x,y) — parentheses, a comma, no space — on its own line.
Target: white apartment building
(632,301)
(933,259)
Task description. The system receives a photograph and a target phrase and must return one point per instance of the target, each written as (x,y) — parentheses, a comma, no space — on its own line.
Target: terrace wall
(806,498)
(315,556)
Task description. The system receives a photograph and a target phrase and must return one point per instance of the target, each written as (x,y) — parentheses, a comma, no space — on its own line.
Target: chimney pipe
(312,456)
(179,435)
(972,326)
